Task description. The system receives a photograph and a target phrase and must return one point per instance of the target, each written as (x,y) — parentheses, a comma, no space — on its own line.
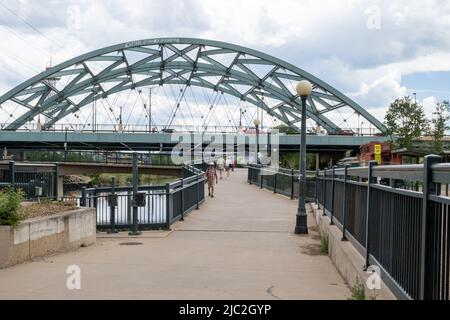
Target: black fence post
(112,207)
(83,200)
(322,184)
(94,195)
(56,182)
(182,200)
(344,204)
(129,206)
(275,182)
(261,177)
(249,174)
(12,174)
(192,151)
(426,256)
(368,212)
(333,186)
(325,192)
(198,191)
(292,183)
(316,192)
(168,215)
(135,228)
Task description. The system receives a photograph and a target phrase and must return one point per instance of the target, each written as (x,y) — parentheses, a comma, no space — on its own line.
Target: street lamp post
(257,122)
(304,89)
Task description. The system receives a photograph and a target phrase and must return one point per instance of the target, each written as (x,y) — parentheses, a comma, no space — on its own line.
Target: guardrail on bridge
(397,217)
(282,181)
(159,208)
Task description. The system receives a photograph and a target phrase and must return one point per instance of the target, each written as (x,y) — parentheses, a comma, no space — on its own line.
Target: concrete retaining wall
(348,261)
(46,236)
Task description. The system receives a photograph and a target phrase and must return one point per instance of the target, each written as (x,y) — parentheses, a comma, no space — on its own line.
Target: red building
(381,152)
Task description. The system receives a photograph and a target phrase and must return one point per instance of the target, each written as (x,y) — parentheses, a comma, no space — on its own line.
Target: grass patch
(358,291)
(324,244)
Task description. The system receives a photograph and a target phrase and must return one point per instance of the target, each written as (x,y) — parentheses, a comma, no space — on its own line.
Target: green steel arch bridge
(75,93)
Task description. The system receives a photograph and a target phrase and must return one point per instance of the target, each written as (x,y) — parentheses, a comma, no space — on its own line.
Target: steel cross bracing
(185,62)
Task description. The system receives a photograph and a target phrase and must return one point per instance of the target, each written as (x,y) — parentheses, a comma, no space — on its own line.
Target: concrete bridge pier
(59,187)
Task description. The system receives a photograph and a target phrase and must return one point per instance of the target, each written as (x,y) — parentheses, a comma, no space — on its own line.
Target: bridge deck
(157,141)
(239,245)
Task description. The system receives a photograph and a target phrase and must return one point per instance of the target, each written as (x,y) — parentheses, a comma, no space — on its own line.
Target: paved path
(239,245)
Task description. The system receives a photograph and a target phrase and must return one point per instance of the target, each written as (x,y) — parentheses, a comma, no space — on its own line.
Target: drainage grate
(131,244)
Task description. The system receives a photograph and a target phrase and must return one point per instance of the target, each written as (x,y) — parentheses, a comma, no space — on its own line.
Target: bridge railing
(164,204)
(397,217)
(34,180)
(282,181)
(162,128)
(98,156)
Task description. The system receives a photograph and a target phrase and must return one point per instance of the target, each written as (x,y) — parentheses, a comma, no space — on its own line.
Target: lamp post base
(301,227)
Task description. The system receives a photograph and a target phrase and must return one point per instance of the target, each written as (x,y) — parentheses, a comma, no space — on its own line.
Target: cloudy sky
(374,50)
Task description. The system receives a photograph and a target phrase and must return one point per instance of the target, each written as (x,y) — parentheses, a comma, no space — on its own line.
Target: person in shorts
(221,166)
(211,177)
(228,166)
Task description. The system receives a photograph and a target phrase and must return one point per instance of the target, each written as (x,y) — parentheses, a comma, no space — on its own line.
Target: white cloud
(429,106)
(381,91)
(328,38)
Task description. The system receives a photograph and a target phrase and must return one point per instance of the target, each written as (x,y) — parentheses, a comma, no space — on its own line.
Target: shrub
(358,291)
(324,244)
(9,206)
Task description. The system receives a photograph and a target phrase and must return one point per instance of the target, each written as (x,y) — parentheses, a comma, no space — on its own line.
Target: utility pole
(94,114)
(240,118)
(262,114)
(150,110)
(120,121)
(359,125)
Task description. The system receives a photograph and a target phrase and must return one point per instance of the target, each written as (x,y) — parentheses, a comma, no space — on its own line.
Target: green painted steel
(181,68)
(18,137)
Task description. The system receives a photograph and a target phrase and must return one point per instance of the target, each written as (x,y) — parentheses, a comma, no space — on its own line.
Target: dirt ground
(44,209)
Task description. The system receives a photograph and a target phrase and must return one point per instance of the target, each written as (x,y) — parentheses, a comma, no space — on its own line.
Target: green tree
(406,120)
(439,122)
(285,129)
(291,160)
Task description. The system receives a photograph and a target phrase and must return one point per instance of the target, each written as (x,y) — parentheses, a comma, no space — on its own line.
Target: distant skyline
(374,51)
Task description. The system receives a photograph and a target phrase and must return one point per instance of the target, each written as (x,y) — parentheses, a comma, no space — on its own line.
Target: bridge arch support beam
(183,61)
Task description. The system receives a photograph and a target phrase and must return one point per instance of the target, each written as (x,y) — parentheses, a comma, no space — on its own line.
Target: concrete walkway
(239,245)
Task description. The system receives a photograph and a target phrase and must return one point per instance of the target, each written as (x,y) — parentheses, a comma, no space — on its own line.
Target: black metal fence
(282,181)
(397,217)
(99,156)
(34,180)
(163,205)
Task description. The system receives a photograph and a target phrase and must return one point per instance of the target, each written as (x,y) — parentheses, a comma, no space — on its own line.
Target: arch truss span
(249,75)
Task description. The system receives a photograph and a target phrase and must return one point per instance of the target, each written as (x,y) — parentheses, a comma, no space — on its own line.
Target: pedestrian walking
(228,166)
(211,177)
(221,166)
